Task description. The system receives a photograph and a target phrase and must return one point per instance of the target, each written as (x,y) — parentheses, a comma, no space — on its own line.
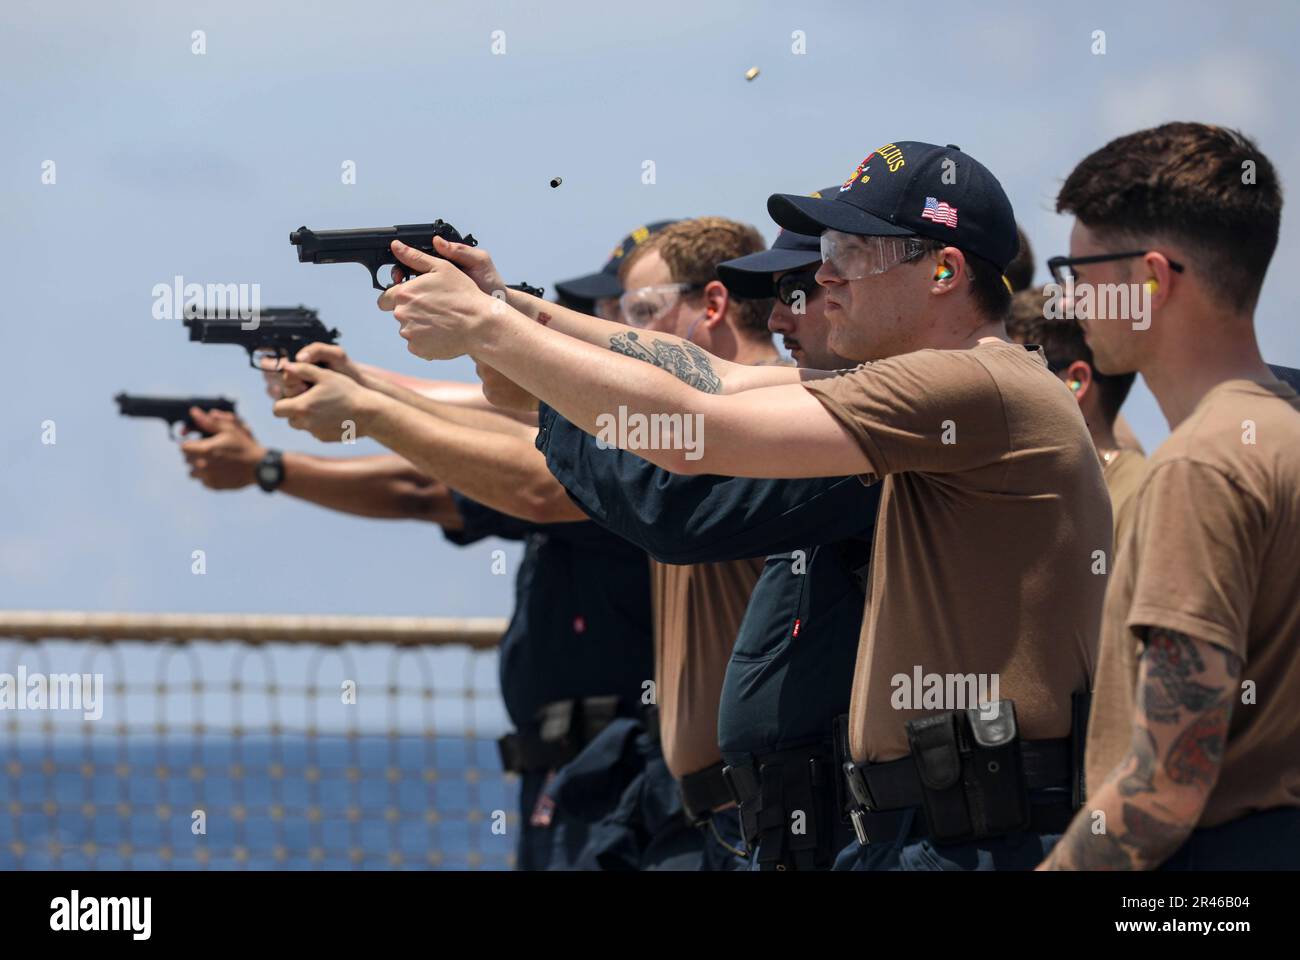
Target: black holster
(789,807)
(969,775)
(563,729)
(972,778)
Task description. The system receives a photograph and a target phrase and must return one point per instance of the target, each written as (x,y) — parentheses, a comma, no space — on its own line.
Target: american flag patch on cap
(939,212)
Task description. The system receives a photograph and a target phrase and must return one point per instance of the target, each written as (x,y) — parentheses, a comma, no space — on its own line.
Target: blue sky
(172,163)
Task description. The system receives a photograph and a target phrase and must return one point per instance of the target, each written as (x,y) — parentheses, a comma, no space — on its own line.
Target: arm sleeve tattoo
(685,361)
(1155,796)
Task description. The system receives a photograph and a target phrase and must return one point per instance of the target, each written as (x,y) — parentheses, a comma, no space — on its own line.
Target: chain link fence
(251,742)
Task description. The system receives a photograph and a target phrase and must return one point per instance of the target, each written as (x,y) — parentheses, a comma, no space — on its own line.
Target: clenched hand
(333,410)
(441,310)
(226,460)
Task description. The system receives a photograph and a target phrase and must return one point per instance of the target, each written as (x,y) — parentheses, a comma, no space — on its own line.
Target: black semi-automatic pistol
(278,332)
(372,246)
(172,409)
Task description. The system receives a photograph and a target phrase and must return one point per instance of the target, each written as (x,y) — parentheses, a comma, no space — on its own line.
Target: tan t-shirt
(1214,552)
(697,610)
(986,545)
(1123,475)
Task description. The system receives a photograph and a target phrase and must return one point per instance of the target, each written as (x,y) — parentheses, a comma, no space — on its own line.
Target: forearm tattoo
(1180,730)
(1138,779)
(685,361)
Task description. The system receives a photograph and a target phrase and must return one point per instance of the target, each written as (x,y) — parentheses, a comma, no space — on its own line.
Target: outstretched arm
(453,402)
(683,359)
(451,393)
(447,391)
(701,519)
(384,487)
(775,431)
(1153,799)
(779,432)
(503,471)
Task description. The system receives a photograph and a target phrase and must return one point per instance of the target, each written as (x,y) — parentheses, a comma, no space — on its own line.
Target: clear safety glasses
(644,305)
(853,257)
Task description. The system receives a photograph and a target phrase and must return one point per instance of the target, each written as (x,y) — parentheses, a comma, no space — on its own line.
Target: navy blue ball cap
(913,189)
(604,283)
(750,277)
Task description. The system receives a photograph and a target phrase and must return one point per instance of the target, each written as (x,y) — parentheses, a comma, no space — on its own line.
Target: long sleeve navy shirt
(792,666)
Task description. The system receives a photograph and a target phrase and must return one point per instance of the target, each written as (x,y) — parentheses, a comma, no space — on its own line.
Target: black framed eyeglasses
(795,281)
(1062,268)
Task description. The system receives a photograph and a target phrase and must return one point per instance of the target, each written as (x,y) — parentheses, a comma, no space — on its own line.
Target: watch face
(270,473)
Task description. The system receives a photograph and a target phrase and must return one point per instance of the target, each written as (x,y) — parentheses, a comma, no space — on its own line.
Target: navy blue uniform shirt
(581,624)
(792,667)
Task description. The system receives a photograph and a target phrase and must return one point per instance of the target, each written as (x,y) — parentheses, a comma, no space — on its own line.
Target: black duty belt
(703,791)
(789,807)
(882,794)
(968,776)
(884,826)
(563,729)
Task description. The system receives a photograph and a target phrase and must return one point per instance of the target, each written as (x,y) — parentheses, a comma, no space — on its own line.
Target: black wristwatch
(270,470)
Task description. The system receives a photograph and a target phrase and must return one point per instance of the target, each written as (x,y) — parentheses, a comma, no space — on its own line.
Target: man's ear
(716,300)
(1078,377)
(1158,277)
(949,271)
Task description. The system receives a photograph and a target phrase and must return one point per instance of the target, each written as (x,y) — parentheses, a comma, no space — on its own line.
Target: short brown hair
(1020,271)
(692,249)
(1186,182)
(1063,343)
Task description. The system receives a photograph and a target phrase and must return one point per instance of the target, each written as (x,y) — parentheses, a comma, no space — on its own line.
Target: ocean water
(329,801)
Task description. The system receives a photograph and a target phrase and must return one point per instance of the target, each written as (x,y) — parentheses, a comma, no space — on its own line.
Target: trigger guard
(374,276)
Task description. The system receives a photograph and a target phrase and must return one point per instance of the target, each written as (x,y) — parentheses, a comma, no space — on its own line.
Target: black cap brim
(812,215)
(750,276)
(594,286)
